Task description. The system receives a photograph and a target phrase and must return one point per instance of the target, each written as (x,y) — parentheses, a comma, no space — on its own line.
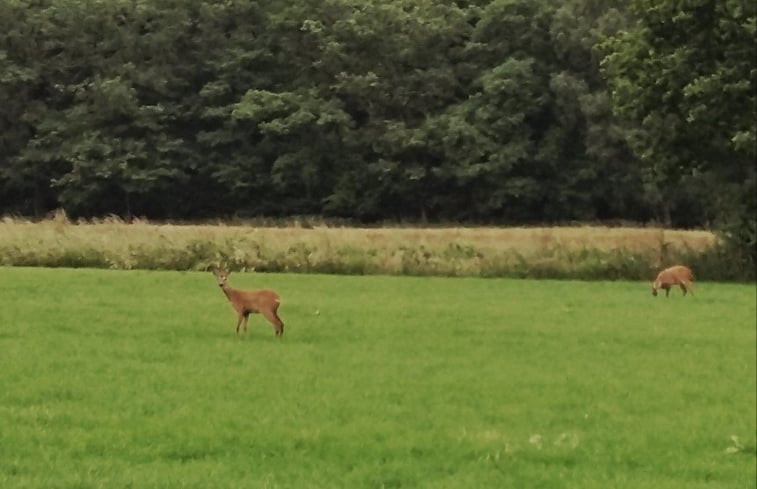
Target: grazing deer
(675,275)
(245,302)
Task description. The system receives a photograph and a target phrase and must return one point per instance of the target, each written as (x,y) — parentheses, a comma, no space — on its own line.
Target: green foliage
(684,80)
(410,109)
(478,112)
(122,379)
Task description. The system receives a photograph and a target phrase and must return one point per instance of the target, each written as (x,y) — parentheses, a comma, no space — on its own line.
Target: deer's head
(655,286)
(221,276)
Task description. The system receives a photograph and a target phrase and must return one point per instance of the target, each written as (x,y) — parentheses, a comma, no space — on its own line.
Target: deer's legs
(686,287)
(279,322)
(244,325)
(274,319)
(240,317)
(280,327)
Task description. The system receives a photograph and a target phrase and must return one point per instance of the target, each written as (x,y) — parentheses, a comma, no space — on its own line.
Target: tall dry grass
(588,252)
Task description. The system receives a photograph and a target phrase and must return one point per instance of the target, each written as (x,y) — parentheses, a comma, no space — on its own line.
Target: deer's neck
(228,291)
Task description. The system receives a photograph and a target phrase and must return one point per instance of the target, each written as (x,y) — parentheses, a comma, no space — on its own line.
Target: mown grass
(115,379)
(562,252)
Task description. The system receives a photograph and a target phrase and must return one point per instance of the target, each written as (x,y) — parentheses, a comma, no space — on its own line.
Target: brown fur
(675,275)
(246,302)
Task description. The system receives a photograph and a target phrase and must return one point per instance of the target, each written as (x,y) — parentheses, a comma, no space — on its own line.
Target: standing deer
(675,275)
(246,302)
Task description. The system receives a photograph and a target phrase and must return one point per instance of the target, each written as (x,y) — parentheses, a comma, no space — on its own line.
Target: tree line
(480,111)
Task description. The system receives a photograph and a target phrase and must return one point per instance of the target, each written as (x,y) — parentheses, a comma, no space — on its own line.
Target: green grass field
(135,379)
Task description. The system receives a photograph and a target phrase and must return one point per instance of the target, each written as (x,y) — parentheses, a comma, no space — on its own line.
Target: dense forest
(500,111)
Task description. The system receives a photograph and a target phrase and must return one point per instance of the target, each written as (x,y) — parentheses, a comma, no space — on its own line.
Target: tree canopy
(683,78)
(496,111)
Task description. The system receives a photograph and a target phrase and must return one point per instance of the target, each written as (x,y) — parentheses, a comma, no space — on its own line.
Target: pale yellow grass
(116,234)
(581,251)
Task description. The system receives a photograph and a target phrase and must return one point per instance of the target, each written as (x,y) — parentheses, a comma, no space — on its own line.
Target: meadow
(578,252)
(135,379)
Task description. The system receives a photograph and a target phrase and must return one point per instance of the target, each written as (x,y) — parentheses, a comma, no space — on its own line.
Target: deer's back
(255,300)
(675,274)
